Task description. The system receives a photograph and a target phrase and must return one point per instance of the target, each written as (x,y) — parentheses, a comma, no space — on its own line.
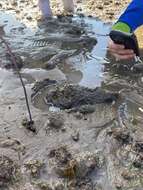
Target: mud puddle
(83,65)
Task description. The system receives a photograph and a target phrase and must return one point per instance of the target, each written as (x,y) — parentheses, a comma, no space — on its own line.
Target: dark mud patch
(75,97)
(70,96)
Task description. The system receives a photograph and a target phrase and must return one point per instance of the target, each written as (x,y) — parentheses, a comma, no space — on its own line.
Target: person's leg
(44,6)
(68,5)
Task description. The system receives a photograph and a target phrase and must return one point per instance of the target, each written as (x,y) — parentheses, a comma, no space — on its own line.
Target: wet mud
(86,107)
(69,96)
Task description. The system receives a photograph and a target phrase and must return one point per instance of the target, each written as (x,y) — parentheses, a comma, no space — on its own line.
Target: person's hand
(119,51)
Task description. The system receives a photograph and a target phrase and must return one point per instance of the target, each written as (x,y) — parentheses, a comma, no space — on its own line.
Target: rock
(79,167)
(43,185)
(59,186)
(35,167)
(75,136)
(61,155)
(67,170)
(8,170)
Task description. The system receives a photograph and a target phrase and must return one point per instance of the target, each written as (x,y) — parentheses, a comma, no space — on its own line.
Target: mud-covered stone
(71,96)
(8,170)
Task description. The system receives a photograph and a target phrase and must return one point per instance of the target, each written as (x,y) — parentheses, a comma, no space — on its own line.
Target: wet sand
(94,142)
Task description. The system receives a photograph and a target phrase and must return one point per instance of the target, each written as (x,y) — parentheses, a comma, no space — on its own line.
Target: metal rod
(13,59)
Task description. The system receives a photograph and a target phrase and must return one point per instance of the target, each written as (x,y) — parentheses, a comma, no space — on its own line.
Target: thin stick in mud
(13,59)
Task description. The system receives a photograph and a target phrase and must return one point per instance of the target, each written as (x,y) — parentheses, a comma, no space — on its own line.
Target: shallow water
(86,69)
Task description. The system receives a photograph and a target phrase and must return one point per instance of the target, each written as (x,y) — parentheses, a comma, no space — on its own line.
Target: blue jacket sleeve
(133,15)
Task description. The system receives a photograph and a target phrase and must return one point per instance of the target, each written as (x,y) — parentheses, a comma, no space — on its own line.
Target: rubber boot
(44,6)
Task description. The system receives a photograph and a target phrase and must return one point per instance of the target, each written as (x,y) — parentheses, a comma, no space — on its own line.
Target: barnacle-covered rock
(8,170)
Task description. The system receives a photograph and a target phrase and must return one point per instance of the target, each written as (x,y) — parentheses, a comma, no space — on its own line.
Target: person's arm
(133,15)
(128,22)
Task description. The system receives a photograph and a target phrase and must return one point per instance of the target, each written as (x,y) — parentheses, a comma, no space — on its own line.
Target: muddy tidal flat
(87,109)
